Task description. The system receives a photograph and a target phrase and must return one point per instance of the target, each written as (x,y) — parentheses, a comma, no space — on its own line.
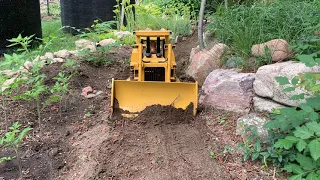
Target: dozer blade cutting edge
(135,96)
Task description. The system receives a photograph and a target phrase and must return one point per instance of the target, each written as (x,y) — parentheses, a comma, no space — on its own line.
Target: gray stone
(252,120)
(266,86)
(228,90)
(265,105)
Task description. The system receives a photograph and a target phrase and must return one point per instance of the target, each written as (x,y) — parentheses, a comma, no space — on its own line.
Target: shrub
(294,132)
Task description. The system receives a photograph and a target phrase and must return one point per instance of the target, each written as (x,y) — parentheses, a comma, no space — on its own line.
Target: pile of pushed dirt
(157,115)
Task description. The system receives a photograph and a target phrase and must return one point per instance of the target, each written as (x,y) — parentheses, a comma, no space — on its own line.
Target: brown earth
(161,143)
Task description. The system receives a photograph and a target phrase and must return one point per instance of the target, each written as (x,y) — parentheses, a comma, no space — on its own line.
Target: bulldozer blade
(135,96)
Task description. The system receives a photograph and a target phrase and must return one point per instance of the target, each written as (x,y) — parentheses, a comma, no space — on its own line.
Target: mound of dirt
(157,115)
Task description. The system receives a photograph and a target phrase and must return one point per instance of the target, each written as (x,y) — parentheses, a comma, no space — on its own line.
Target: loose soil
(161,143)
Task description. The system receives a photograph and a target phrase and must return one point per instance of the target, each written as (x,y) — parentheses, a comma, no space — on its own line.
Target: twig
(274,173)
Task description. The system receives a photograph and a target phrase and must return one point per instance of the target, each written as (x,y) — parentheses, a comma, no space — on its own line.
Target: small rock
(82,43)
(7,83)
(98,93)
(265,105)
(63,54)
(106,42)
(86,90)
(254,120)
(122,34)
(92,48)
(53,152)
(28,65)
(74,53)
(278,49)
(60,60)
(90,96)
(49,55)
(8,73)
(184,38)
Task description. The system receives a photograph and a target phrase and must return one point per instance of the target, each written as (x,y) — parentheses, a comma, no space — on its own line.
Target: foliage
(13,139)
(98,57)
(98,30)
(294,132)
(242,26)
(176,19)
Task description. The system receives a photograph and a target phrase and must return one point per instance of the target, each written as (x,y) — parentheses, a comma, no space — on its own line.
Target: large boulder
(203,62)
(266,86)
(229,90)
(278,49)
(265,105)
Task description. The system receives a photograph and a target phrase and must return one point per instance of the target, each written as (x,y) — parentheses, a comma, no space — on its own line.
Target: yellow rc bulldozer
(153,79)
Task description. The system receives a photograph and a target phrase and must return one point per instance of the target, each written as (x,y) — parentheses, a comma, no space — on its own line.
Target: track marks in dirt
(166,151)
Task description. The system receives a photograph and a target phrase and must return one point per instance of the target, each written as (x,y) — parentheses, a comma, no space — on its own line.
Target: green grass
(64,41)
(240,27)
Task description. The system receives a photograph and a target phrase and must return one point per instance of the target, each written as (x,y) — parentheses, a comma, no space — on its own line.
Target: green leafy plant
(99,57)
(294,132)
(12,139)
(60,89)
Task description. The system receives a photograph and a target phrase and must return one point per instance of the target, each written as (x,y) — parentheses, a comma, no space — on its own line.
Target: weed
(13,139)
(98,58)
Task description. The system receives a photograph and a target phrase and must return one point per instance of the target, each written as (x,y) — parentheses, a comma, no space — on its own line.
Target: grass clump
(243,26)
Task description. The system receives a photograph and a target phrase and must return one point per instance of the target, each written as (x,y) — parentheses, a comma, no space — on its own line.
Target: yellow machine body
(153,78)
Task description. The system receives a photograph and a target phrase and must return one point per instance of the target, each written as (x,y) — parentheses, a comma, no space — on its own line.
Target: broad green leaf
(314,102)
(306,108)
(301,145)
(306,162)
(314,147)
(308,60)
(313,176)
(303,132)
(282,80)
(255,156)
(283,143)
(292,139)
(314,116)
(295,80)
(314,126)
(296,169)
(296,177)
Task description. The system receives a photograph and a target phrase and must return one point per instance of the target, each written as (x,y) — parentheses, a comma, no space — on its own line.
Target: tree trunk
(200,24)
